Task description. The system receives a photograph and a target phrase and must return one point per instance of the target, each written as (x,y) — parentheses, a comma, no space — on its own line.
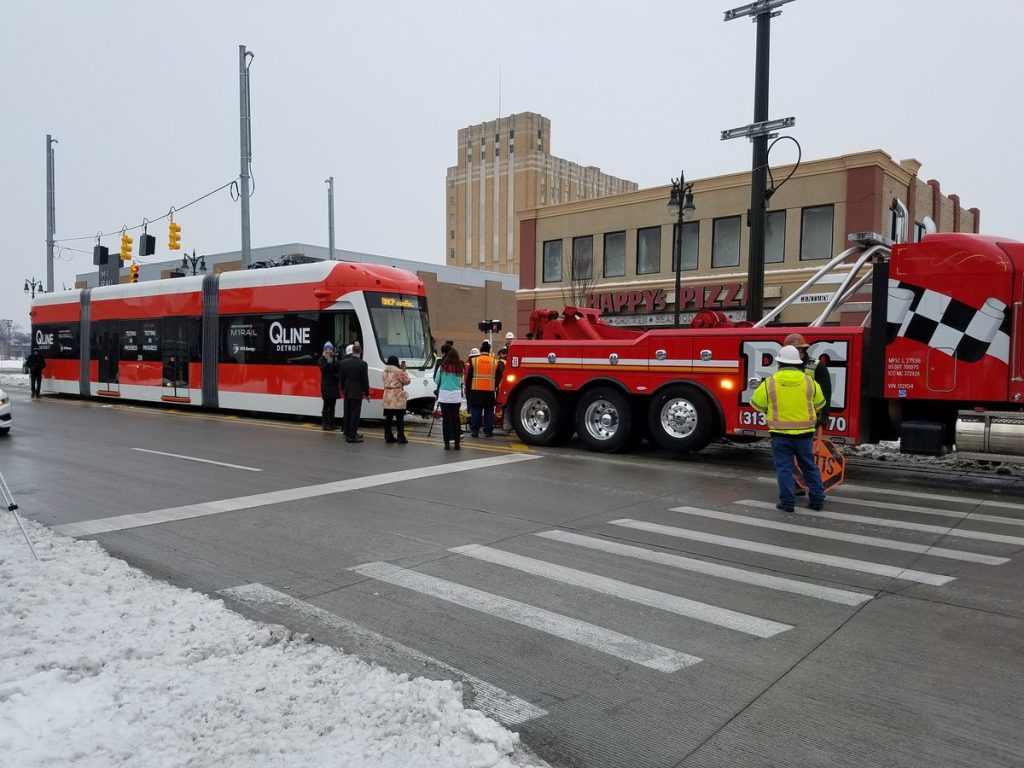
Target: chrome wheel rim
(601,420)
(678,418)
(535,416)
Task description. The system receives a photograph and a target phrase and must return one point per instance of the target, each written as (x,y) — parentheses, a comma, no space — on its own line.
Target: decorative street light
(682,201)
(33,285)
(192,261)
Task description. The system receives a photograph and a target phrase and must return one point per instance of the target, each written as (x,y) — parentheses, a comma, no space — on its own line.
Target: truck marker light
(511,378)
(727,384)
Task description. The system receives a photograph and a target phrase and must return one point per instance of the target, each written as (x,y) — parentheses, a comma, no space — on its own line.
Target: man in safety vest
(791,400)
(481,372)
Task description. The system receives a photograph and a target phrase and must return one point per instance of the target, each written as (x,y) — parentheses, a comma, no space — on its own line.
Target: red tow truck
(935,359)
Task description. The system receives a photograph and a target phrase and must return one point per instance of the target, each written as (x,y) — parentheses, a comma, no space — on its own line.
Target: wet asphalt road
(615,610)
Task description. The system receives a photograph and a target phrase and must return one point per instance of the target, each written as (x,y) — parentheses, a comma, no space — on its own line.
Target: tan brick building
(505,166)
(620,248)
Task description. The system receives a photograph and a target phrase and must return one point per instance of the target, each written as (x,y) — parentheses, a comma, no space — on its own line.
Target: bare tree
(6,335)
(578,274)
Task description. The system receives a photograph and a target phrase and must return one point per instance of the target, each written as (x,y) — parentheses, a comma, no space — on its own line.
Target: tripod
(13,509)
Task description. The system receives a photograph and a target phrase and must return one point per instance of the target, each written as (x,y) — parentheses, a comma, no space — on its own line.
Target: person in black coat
(330,385)
(35,363)
(355,382)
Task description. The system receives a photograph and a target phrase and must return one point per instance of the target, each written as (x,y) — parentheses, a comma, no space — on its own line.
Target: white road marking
(194,458)
(931,511)
(855,538)
(835,561)
(845,597)
(681,606)
(855,488)
(139,519)
(488,698)
(576,631)
(962,533)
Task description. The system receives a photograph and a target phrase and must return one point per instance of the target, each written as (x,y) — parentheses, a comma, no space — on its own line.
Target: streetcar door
(108,354)
(174,338)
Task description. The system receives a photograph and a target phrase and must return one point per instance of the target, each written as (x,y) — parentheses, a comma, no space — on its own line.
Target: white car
(6,419)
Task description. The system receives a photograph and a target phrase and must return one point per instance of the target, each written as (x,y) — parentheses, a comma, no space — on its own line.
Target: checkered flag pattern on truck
(946,324)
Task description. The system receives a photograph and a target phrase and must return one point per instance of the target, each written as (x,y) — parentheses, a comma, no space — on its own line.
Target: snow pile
(101,665)
(889,450)
(14,379)
(11,364)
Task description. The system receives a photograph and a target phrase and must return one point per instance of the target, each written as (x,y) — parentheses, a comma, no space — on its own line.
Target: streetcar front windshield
(401,327)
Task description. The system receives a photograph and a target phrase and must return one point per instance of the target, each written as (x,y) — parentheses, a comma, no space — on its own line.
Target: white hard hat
(509,336)
(349,349)
(474,351)
(789,355)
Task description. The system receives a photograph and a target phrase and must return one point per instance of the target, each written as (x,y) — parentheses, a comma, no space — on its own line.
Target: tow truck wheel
(680,419)
(604,419)
(537,416)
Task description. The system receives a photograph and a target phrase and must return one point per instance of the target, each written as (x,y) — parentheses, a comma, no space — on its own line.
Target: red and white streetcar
(246,340)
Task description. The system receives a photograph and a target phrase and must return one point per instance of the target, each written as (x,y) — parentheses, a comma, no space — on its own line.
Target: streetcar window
(341,329)
(401,327)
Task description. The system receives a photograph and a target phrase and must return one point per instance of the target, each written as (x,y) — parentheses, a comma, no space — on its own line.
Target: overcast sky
(143,98)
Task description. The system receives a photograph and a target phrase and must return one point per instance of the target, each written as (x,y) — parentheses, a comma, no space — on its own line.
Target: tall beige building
(506,166)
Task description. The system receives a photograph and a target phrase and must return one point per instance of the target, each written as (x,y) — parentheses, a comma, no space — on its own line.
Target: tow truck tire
(604,419)
(538,417)
(680,419)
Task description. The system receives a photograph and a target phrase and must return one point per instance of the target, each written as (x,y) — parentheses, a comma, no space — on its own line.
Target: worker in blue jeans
(791,400)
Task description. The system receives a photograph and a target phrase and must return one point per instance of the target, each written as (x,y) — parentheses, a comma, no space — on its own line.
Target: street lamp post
(682,200)
(32,286)
(194,262)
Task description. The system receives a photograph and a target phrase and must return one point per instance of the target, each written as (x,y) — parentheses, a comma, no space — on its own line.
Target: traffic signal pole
(51,212)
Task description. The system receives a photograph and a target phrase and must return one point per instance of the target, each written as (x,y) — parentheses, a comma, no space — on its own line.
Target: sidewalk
(100,665)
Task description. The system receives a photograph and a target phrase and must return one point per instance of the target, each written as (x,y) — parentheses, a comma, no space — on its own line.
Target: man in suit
(355,383)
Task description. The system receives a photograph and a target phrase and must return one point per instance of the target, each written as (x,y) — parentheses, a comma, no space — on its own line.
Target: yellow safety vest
(483,373)
(790,399)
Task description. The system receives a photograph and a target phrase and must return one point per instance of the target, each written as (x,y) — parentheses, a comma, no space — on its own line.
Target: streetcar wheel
(537,416)
(603,419)
(680,419)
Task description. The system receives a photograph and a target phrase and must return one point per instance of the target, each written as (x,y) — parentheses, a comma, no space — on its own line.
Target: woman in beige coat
(395,380)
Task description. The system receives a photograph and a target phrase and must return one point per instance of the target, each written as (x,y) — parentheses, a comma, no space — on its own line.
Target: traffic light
(133,273)
(173,236)
(126,246)
(147,245)
(99,255)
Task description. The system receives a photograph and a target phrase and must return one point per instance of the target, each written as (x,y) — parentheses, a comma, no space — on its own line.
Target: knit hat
(328,345)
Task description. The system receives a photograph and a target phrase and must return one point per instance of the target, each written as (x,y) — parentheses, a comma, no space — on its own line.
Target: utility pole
(330,215)
(759,133)
(51,211)
(244,59)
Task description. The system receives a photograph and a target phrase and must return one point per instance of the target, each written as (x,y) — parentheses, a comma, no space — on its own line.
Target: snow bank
(14,379)
(102,666)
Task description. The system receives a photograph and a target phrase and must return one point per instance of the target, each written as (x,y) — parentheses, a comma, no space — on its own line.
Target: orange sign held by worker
(831,463)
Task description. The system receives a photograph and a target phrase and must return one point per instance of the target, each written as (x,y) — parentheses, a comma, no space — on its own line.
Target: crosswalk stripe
(864,566)
(589,635)
(962,533)
(853,538)
(712,614)
(487,697)
(807,589)
(931,511)
(855,488)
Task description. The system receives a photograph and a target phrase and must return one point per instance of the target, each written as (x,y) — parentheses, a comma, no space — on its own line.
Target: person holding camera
(330,388)
(395,379)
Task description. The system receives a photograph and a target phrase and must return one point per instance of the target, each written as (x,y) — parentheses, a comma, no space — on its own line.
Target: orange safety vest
(483,373)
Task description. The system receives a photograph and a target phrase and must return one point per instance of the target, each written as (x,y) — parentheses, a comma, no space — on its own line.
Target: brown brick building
(616,252)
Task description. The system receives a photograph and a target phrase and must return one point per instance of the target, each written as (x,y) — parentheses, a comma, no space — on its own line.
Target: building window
(553,261)
(816,232)
(615,254)
(725,242)
(648,250)
(511,147)
(919,231)
(511,133)
(451,185)
(451,218)
(775,237)
(451,235)
(691,244)
(451,253)
(583,258)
